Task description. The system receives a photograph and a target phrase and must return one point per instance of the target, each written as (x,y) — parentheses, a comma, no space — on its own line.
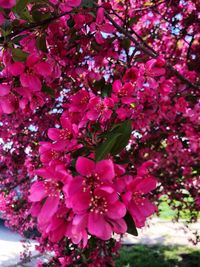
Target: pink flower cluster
(99,107)
(93,202)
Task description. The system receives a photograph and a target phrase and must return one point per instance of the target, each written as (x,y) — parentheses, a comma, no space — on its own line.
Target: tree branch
(32,26)
(149,51)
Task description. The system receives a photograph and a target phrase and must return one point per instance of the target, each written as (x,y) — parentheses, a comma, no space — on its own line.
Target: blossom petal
(85,166)
(116,211)
(54,134)
(4,89)
(100,16)
(146,185)
(37,192)
(105,169)
(98,226)
(48,209)
(119,226)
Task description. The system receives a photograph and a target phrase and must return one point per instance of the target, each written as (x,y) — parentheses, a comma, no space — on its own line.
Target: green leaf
(133,20)
(17,39)
(125,130)
(126,43)
(105,148)
(81,151)
(106,90)
(131,225)
(48,90)
(39,16)
(19,55)
(41,43)
(20,6)
(88,3)
(71,23)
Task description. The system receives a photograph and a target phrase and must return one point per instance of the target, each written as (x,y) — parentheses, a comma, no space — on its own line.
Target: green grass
(167,213)
(158,256)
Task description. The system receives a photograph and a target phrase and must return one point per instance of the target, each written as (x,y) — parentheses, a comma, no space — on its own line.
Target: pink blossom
(99,108)
(101,213)
(55,178)
(134,198)
(100,26)
(64,135)
(7,3)
(16,68)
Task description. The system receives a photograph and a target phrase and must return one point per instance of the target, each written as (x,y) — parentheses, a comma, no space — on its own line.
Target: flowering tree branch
(149,51)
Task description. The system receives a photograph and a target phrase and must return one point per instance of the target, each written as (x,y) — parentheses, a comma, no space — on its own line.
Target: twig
(148,51)
(32,26)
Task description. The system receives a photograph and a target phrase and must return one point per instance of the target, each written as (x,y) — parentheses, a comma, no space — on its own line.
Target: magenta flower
(102,214)
(65,134)
(8,100)
(93,199)
(124,92)
(134,198)
(31,78)
(48,190)
(99,108)
(56,228)
(93,176)
(49,151)
(79,101)
(99,26)
(148,73)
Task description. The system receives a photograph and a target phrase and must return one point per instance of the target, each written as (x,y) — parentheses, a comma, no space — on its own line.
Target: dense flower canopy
(100,118)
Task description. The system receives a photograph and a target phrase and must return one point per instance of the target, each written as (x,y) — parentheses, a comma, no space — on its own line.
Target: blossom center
(138,198)
(52,188)
(91,182)
(65,134)
(54,154)
(98,205)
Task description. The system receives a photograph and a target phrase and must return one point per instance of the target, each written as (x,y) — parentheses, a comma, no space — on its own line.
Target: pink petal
(24,80)
(119,226)
(16,68)
(37,192)
(43,68)
(34,83)
(117,85)
(57,235)
(65,122)
(85,166)
(105,170)
(107,188)
(1,19)
(155,72)
(100,16)
(107,28)
(35,209)
(73,187)
(146,185)
(32,60)
(7,3)
(141,211)
(73,3)
(7,104)
(116,211)
(48,209)
(80,202)
(54,134)
(98,37)
(98,226)
(4,89)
